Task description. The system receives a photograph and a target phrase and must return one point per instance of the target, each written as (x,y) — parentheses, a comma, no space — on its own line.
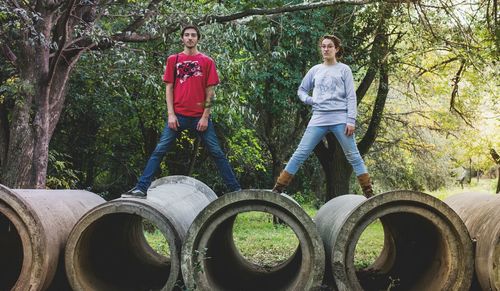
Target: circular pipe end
(107,249)
(426,245)
(211,261)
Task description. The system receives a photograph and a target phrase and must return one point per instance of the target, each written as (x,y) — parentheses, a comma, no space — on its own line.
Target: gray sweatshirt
(333,94)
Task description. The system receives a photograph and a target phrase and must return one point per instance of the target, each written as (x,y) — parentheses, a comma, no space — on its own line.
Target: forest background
(82,103)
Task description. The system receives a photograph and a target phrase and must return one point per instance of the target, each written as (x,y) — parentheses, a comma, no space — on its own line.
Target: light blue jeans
(313,135)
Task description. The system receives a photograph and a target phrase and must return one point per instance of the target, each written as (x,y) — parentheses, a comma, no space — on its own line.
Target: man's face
(190,38)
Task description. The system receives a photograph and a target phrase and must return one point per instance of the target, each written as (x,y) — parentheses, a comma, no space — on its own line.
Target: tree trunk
(17,169)
(498,182)
(38,106)
(4,135)
(496,158)
(17,165)
(335,166)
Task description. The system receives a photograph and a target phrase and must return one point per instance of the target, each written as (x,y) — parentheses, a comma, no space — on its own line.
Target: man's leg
(167,138)
(212,143)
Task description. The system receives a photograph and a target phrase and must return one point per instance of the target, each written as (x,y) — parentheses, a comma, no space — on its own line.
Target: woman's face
(328,49)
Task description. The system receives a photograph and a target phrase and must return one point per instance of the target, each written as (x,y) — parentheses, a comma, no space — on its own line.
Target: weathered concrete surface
(426,245)
(211,261)
(34,228)
(107,249)
(481,214)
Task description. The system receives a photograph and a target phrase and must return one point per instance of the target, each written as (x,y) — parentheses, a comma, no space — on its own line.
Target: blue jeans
(209,138)
(313,135)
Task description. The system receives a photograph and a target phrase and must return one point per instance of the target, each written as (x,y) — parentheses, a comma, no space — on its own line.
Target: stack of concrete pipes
(74,240)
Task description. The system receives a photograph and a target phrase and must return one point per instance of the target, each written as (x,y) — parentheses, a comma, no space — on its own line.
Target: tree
(43,41)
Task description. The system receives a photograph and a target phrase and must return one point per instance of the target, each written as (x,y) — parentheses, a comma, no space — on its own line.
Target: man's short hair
(193,27)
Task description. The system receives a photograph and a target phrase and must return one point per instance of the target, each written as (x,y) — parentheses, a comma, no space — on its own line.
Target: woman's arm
(352,110)
(305,87)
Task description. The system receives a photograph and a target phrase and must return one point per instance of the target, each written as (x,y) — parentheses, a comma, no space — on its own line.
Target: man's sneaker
(134,193)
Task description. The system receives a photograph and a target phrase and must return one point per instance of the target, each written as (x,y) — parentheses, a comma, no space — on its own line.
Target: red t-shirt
(194,75)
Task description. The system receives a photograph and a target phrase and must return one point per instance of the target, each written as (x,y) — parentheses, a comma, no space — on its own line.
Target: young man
(190,77)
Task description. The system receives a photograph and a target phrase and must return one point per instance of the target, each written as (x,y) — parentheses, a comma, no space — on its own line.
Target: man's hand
(349,129)
(202,124)
(173,123)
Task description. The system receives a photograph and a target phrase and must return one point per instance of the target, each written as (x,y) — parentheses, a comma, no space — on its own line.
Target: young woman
(333,102)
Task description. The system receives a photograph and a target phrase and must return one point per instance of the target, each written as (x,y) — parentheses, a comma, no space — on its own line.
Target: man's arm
(173,123)
(203,123)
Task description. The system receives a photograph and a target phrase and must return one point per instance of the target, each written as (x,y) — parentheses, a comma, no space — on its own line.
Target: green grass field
(266,244)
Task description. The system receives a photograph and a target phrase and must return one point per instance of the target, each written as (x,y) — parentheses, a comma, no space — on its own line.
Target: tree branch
(130,35)
(378,110)
(377,53)
(138,22)
(277,10)
(62,43)
(9,55)
(454,93)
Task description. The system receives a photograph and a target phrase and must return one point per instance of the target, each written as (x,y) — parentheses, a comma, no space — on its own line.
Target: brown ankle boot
(282,182)
(366,185)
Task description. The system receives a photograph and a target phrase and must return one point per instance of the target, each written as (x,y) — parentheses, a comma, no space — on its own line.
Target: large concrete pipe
(34,227)
(107,249)
(481,214)
(426,245)
(211,261)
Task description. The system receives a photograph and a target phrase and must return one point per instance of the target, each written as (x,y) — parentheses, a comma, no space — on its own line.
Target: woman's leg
(312,136)
(348,144)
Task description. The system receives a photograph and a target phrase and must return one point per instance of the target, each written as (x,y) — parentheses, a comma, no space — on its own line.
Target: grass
(481,185)
(262,242)
(369,245)
(158,242)
(266,244)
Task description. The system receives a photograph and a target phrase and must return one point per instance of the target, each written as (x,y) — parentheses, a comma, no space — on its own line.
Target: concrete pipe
(481,214)
(34,227)
(107,249)
(211,261)
(426,245)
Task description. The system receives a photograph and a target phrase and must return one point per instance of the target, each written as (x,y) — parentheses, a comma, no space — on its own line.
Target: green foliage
(116,104)
(60,172)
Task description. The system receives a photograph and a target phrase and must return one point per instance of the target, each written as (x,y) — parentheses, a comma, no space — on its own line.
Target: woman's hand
(349,129)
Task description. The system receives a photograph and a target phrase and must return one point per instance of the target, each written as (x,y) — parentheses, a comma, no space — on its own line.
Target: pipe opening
(228,269)
(156,240)
(11,253)
(414,253)
(262,242)
(369,246)
(114,254)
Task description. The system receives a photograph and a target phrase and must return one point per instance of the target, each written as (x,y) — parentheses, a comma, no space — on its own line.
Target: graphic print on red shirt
(188,69)
(193,75)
